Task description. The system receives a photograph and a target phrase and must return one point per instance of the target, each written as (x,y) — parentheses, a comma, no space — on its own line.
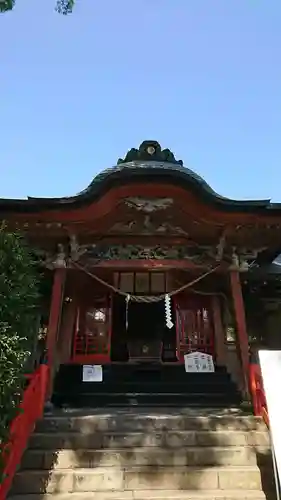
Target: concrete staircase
(143,454)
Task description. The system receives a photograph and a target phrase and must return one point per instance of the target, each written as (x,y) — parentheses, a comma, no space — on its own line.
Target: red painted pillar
(243,340)
(54,321)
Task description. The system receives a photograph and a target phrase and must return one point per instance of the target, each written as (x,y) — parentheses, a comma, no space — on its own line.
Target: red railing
(258,394)
(31,409)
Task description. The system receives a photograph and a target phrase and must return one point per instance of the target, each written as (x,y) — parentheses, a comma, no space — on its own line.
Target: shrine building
(157,284)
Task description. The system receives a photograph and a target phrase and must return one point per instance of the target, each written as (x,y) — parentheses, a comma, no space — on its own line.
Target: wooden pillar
(66,332)
(220,346)
(54,321)
(240,318)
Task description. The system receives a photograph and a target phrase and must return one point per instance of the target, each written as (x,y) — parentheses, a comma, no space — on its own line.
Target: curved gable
(147,164)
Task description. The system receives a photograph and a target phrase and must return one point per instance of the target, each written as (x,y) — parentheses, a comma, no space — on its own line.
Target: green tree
(19,301)
(63,6)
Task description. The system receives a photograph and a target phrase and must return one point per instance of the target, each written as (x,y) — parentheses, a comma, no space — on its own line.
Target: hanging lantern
(168,312)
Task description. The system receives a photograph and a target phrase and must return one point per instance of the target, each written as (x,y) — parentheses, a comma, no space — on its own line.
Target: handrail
(31,409)
(257,392)
(260,410)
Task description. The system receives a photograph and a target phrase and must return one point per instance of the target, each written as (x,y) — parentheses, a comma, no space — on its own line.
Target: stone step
(132,421)
(93,439)
(150,399)
(153,495)
(140,478)
(191,456)
(138,373)
(160,386)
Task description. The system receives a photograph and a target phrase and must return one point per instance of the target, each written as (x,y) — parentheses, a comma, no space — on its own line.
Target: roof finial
(150,151)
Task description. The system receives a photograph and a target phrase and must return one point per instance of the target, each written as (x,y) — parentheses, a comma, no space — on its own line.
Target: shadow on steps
(118,453)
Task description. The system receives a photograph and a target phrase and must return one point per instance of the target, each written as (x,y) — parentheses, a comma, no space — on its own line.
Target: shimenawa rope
(143,298)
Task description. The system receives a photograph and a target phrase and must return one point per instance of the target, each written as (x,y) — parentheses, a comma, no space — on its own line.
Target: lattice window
(194,326)
(141,283)
(92,336)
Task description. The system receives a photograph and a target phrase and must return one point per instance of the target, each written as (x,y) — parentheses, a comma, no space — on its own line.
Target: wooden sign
(92,373)
(198,362)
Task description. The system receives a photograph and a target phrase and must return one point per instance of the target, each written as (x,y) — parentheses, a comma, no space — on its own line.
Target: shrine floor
(147,385)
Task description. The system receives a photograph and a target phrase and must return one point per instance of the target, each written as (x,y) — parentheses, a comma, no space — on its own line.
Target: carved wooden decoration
(149,205)
(139,252)
(147,226)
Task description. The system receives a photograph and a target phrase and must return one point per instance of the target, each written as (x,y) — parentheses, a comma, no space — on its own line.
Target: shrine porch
(142,359)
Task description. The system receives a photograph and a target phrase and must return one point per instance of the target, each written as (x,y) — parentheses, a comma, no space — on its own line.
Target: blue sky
(203,77)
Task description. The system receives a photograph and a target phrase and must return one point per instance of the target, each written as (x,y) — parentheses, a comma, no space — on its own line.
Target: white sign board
(92,373)
(198,362)
(270,362)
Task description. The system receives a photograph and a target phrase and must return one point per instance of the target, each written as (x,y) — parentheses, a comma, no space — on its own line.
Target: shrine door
(92,334)
(194,323)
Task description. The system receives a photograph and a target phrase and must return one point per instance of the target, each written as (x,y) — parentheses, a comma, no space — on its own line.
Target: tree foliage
(62,6)
(19,300)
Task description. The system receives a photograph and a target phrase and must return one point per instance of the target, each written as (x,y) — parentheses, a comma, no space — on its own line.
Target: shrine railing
(31,409)
(260,410)
(257,392)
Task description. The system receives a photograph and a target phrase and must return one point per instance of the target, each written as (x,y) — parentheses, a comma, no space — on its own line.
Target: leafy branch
(19,309)
(63,7)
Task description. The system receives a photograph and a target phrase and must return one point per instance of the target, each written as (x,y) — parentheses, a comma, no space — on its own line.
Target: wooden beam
(140,264)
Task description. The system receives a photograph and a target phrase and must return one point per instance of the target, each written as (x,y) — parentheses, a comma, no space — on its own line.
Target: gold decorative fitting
(151,150)
(244,266)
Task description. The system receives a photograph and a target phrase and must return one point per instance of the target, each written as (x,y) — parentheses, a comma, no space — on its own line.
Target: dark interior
(145,337)
(119,348)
